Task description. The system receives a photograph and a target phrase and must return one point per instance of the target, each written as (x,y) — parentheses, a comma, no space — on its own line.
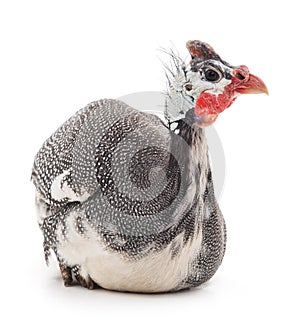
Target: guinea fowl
(126,201)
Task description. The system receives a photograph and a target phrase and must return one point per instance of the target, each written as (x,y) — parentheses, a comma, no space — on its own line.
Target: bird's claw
(67,274)
(84,282)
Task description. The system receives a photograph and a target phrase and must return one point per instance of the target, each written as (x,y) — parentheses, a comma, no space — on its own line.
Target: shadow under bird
(125,200)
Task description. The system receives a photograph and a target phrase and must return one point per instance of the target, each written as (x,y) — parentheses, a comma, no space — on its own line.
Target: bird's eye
(212,75)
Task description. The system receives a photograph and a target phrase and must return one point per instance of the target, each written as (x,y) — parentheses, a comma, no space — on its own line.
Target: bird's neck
(190,147)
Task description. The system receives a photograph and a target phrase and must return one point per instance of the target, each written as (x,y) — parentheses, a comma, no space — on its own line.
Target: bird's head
(207,85)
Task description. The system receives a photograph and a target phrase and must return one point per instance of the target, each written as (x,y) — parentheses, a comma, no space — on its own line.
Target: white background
(57,56)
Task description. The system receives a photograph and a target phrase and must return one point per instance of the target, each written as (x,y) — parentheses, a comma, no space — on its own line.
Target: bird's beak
(252,85)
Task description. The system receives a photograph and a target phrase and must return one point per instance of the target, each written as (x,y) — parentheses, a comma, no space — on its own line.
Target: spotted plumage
(126,201)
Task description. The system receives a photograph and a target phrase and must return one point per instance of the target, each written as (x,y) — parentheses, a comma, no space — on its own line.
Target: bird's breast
(158,270)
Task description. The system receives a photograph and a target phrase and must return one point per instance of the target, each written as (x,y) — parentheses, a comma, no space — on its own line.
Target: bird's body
(128,203)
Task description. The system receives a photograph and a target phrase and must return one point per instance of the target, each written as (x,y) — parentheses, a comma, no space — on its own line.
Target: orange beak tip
(253,85)
(266,91)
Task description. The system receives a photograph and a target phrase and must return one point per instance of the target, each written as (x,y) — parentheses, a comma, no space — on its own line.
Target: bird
(125,199)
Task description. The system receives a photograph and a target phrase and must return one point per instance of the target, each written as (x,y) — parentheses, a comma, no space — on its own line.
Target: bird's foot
(86,281)
(68,273)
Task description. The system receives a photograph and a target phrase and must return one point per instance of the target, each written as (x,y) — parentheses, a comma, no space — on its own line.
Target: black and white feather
(126,201)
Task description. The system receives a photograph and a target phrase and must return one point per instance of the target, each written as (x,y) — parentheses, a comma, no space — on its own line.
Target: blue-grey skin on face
(125,201)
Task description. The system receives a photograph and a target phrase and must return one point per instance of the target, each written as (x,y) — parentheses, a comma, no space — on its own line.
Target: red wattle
(208,103)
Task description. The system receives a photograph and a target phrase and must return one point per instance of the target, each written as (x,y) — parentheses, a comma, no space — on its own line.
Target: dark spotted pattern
(136,175)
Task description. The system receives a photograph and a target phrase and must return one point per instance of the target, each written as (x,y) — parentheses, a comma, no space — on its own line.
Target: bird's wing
(67,167)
